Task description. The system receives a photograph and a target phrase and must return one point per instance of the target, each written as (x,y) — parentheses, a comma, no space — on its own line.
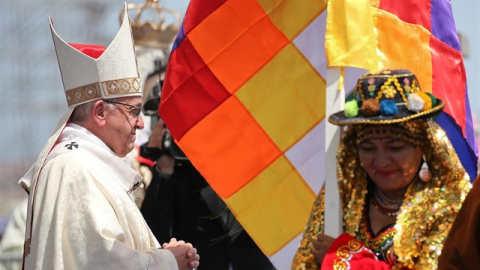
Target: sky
(467,20)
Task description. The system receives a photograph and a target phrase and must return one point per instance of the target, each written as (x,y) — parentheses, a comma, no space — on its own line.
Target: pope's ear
(99,112)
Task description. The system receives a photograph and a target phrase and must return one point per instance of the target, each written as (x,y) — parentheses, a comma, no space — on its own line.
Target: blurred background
(32,91)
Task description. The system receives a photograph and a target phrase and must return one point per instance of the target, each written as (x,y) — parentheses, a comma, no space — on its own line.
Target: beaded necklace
(385,205)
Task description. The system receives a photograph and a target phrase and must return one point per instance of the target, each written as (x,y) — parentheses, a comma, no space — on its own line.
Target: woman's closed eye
(366,148)
(397,147)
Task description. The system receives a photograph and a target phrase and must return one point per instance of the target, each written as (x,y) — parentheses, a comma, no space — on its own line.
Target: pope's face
(122,123)
(390,162)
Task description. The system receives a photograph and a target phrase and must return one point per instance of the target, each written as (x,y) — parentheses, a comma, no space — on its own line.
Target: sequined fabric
(425,216)
(379,244)
(304,259)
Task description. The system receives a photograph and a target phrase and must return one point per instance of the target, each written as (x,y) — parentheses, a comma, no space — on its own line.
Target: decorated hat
(387,97)
(91,72)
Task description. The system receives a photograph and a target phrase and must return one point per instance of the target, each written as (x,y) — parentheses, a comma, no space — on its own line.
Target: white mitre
(113,74)
(85,78)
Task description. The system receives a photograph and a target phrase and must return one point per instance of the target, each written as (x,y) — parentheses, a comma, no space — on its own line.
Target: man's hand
(185,254)
(321,244)
(166,164)
(155,140)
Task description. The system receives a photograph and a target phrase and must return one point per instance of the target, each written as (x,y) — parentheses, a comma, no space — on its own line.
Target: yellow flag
(351,37)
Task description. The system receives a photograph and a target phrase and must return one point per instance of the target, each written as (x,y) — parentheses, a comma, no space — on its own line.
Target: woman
(400,181)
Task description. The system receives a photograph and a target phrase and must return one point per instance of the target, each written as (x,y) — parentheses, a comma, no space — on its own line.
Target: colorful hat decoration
(385,97)
(88,76)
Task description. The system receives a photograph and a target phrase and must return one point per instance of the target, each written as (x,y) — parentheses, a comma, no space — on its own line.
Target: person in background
(180,202)
(400,181)
(141,164)
(462,246)
(14,236)
(81,214)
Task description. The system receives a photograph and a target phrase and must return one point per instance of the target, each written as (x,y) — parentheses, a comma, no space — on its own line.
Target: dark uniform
(184,206)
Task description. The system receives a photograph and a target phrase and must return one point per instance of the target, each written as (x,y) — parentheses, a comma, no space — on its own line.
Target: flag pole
(335,100)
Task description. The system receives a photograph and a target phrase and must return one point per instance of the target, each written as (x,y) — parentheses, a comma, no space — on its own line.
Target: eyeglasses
(134,110)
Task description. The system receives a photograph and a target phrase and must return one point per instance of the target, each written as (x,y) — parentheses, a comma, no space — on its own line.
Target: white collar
(126,176)
(69,134)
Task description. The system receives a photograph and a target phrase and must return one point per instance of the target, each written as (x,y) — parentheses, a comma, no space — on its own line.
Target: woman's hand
(321,244)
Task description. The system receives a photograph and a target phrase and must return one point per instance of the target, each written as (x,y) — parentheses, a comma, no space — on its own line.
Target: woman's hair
(411,132)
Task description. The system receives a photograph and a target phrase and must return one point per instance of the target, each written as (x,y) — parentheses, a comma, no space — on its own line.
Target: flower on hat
(407,87)
(389,91)
(371,86)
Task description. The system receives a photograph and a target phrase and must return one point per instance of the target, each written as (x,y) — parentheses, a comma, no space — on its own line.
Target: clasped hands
(185,254)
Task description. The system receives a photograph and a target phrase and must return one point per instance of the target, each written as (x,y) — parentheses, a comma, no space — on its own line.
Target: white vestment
(81,214)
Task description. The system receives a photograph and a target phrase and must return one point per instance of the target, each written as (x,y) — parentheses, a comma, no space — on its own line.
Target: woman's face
(390,162)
